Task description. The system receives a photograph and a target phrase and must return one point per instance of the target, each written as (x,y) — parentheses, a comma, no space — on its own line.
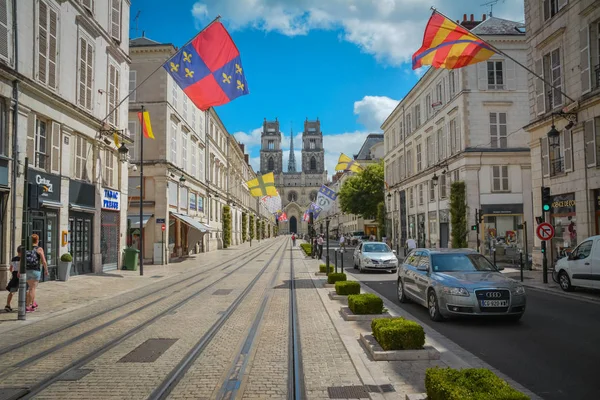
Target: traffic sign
(163,227)
(545,231)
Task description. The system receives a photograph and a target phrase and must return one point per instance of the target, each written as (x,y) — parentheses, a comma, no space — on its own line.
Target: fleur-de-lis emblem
(187,57)
(189,73)
(226,78)
(240,85)
(174,67)
(238,69)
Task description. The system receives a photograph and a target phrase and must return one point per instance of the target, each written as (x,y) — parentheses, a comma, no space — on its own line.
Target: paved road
(553,351)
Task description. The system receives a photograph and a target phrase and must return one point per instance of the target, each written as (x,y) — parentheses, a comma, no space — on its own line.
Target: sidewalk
(57,298)
(534,280)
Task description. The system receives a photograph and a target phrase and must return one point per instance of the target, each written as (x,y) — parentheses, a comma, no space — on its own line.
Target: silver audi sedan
(458,282)
(375,256)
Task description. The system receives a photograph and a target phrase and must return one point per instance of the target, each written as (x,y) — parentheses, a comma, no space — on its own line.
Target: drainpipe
(15,146)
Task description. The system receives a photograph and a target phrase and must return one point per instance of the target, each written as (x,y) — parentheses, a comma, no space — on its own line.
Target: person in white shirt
(342,241)
(411,244)
(320,242)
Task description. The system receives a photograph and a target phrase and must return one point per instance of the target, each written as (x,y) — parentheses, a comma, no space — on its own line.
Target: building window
(500,178)
(271,164)
(401,131)
(417,116)
(184,145)
(271,145)
(313,163)
(312,144)
(113,93)
(430,151)
(419,163)
(292,196)
(498,130)
(454,137)
(185,107)
(427,106)
(552,73)
(408,125)
(441,143)
(193,153)
(443,186)
(86,72)
(133,135)
(173,157)
(194,119)
(411,198)
(551,7)
(495,75)
(401,167)
(200,162)
(420,194)
(452,83)
(89,4)
(174,95)
(431,191)
(43,144)
(409,163)
(47,45)
(439,93)
(456,176)
(109,168)
(132,84)
(5,30)
(82,148)
(115,20)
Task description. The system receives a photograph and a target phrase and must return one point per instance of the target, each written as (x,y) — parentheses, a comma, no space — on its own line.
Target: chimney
(472,18)
(246,158)
(483,17)
(464,17)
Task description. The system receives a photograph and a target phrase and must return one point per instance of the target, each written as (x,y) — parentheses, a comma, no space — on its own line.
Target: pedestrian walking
(411,244)
(342,242)
(13,285)
(293,239)
(320,242)
(34,260)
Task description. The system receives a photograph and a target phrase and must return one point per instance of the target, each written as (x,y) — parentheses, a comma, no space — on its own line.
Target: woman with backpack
(33,259)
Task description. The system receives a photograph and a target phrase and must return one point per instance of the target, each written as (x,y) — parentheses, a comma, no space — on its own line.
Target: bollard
(342,260)
(521,263)
(336,260)
(494,250)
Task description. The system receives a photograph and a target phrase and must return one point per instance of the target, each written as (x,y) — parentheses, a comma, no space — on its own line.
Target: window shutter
(31,138)
(511,74)
(504,178)
(4,29)
(55,150)
(584,59)
(590,143)
(496,178)
(568,149)
(540,105)
(133,84)
(116,20)
(545,157)
(52,48)
(42,41)
(89,74)
(133,135)
(482,80)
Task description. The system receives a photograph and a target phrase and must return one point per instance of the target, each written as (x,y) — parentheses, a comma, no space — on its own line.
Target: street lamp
(123,153)
(434,179)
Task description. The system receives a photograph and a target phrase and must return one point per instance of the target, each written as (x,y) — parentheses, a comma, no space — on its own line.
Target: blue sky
(344,61)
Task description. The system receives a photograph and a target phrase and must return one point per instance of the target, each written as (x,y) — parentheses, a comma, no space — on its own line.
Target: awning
(192,222)
(135,220)
(50,203)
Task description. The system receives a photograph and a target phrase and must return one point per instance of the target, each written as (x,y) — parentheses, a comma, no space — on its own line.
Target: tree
(244,226)
(458,214)
(251,226)
(380,219)
(226,226)
(360,194)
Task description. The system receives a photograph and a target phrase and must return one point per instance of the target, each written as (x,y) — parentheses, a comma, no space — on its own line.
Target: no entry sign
(545,231)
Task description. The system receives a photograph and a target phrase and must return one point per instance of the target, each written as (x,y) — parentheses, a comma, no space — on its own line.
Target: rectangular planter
(348,315)
(334,296)
(320,274)
(416,396)
(329,285)
(378,354)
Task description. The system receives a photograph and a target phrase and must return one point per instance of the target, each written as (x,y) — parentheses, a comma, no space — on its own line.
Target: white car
(375,256)
(581,268)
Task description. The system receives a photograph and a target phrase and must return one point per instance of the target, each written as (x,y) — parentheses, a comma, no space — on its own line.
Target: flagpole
(496,50)
(142,195)
(153,72)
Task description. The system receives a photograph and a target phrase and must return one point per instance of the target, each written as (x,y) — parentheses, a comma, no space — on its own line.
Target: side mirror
(394,251)
(422,268)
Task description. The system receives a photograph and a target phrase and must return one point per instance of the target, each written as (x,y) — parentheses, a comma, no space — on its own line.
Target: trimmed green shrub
(67,257)
(365,303)
(226,219)
(252,225)
(398,334)
(468,384)
(335,277)
(323,268)
(307,247)
(344,288)
(244,227)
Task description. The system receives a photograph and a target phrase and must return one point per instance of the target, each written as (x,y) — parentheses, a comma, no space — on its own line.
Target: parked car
(375,256)
(458,282)
(581,267)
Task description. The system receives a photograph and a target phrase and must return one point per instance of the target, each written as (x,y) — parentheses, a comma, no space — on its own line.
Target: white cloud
(251,139)
(373,110)
(391,30)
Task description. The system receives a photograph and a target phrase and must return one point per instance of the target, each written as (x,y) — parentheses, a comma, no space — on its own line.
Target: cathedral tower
(271,155)
(313,155)
(292,158)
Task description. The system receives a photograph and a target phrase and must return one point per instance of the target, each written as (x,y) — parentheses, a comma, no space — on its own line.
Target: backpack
(32,259)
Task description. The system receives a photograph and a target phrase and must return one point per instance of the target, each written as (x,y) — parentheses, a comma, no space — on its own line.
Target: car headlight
(520,289)
(455,291)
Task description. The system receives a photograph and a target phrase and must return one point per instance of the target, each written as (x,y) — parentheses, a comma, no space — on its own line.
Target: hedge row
(344,288)
(365,303)
(323,268)
(398,333)
(336,277)
(307,248)
(468,384)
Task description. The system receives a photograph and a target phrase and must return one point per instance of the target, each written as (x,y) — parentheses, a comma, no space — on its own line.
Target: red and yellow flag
(448,45)
(146,125)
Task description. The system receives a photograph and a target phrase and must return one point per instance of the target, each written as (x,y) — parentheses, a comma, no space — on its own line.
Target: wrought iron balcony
(557,166)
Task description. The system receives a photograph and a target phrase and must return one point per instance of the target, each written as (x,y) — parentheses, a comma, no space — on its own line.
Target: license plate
(494,303)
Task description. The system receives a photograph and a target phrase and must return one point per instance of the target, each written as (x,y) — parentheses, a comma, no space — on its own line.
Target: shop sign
(563,203)
(82,194)
(111,200)
(193,201)
(500,209)
(48,185)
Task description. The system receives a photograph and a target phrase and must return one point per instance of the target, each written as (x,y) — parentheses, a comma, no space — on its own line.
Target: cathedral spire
(292,159)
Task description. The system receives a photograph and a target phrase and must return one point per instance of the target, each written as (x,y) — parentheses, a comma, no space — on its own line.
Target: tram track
(296,387)
(40,386)
(79,321)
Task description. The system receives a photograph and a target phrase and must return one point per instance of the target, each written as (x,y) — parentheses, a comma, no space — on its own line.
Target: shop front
(500,232)
(109,229)
(43,216)
(444,228)
(563,217)
(188,237)
(403,230)
(421,238)
(82,206)
(4,195)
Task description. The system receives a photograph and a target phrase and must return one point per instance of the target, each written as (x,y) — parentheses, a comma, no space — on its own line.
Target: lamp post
(435,179)
(389,197)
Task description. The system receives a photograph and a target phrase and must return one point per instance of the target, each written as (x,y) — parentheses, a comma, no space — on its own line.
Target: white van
(581,268)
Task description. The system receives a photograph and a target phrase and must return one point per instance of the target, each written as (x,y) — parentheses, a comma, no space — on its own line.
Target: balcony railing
(557,166)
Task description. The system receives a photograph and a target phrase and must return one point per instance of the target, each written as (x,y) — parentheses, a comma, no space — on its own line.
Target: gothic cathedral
(297,188)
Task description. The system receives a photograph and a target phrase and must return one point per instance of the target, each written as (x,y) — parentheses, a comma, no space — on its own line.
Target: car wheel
(432,305)
(564,281)
(401,295)
(354,261)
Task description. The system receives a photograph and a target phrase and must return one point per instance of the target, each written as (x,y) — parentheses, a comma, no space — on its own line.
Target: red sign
(545,231)
(163,227)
